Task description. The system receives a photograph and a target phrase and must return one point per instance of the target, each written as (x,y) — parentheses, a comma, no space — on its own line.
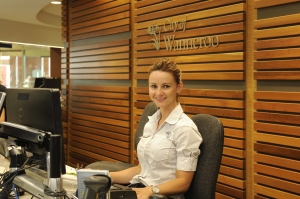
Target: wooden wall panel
(267,3)
(65,98)
(206,49)
(99,18)
(99,124)
(207,41)
(64,20)
(106,60)
(98,116)
(64,109)
(277,47)
(276,128)
(65,76)
(277,139)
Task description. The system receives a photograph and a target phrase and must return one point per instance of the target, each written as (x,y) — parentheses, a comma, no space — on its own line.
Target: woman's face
(163,89)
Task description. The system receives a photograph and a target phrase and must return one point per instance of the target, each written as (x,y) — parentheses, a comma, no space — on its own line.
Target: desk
(35,180)
(4,163)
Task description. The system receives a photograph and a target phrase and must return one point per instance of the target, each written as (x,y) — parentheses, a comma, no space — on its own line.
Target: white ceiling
(30,22)
(31,12)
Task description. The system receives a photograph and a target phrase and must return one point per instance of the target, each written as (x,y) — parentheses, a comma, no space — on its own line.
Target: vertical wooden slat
(250,89)
(133,84)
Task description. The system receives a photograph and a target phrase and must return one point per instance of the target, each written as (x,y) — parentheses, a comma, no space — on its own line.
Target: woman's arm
(124,176)
(174,187)
(177,186)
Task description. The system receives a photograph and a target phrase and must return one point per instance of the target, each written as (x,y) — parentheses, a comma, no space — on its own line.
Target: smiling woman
(164,85)
(168,150)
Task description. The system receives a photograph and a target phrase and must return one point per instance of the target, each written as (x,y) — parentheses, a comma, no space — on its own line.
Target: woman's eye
(153,86)
(166,86)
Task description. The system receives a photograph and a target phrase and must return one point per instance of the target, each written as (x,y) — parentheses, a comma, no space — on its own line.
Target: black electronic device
(5,45)
(96,185)
(47,82)
(100,185)
(36,108)
(120,191)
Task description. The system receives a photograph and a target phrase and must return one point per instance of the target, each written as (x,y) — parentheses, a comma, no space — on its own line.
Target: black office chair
(149,110)
(204,182)
(205,179)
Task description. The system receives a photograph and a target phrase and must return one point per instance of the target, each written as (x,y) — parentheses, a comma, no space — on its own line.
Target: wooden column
(55,56)
(250,89)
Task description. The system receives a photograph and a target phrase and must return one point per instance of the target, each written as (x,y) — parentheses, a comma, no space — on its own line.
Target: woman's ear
(179,87)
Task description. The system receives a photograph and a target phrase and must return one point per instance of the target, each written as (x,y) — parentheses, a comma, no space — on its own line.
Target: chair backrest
(204,182)
(149,110)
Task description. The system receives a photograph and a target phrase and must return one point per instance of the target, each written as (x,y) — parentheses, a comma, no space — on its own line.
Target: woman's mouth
(160,99)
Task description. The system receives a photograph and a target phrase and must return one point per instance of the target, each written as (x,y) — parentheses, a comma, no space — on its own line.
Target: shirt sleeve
(188,141)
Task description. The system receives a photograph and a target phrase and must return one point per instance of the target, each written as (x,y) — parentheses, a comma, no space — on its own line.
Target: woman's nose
(159,91)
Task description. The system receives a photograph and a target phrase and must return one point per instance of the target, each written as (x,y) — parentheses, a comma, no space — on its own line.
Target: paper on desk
(71,170)
(2,169)
(4,162)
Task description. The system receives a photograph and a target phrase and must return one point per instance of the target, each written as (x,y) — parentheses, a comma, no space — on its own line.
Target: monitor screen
(47,82)
(38,108)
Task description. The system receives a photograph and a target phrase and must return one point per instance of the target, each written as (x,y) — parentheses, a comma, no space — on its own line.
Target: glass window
(20,65)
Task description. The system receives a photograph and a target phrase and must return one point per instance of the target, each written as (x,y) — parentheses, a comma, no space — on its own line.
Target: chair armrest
(157,196)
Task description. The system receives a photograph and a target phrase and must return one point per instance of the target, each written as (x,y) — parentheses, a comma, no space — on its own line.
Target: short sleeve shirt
(173,146)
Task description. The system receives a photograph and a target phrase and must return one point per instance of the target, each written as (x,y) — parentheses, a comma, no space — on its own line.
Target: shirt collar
(171,119)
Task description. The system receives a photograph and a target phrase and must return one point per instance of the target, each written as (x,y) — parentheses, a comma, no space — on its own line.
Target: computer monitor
(38,108)
(47,82)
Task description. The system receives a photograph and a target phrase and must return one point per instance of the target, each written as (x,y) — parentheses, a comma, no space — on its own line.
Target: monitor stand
(54,190)
(38,188)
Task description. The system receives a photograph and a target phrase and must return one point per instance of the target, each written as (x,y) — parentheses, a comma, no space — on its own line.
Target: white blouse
(173,146)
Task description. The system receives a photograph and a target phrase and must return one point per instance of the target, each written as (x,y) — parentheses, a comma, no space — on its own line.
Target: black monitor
(47,82)
(38,108)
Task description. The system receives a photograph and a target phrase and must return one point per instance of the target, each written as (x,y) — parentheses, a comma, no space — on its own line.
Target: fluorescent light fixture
(55,2)
(31,44)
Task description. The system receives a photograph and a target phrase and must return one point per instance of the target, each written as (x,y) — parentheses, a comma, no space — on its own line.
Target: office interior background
(30,34)
(240,62)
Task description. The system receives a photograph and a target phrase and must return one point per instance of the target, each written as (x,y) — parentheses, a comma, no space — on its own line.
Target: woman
(169,148)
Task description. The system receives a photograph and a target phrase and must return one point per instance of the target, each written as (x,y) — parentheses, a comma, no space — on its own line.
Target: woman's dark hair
(167,65)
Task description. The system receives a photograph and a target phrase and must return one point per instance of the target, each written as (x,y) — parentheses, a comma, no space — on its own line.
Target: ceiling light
(55,2)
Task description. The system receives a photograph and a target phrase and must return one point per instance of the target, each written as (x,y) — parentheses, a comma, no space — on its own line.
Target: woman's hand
(143,193)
